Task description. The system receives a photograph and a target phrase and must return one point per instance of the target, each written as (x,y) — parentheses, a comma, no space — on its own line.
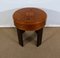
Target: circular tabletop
(29,16)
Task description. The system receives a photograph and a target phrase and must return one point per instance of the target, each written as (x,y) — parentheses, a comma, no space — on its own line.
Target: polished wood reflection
(29,19)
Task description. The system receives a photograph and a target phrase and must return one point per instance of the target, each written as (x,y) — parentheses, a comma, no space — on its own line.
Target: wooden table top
(29,16)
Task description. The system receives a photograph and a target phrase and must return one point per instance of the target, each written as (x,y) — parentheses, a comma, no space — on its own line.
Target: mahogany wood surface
(29,19)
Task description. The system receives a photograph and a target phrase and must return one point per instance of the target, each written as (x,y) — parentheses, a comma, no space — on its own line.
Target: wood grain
(29,18)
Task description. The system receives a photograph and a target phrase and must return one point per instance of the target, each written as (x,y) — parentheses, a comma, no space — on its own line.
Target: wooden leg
(20,36)
(39,36)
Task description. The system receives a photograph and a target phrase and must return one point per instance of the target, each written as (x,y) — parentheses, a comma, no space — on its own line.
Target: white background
(51,7)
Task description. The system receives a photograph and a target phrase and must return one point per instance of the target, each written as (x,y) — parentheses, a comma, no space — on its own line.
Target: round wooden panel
(29,18)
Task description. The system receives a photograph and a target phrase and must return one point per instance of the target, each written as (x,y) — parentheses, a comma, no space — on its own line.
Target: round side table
(29,19)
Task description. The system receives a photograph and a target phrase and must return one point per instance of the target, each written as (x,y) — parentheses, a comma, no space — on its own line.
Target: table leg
(20,36)
(39,36)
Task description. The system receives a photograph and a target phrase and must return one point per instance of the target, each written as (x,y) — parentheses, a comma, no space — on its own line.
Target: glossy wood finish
(29,19)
